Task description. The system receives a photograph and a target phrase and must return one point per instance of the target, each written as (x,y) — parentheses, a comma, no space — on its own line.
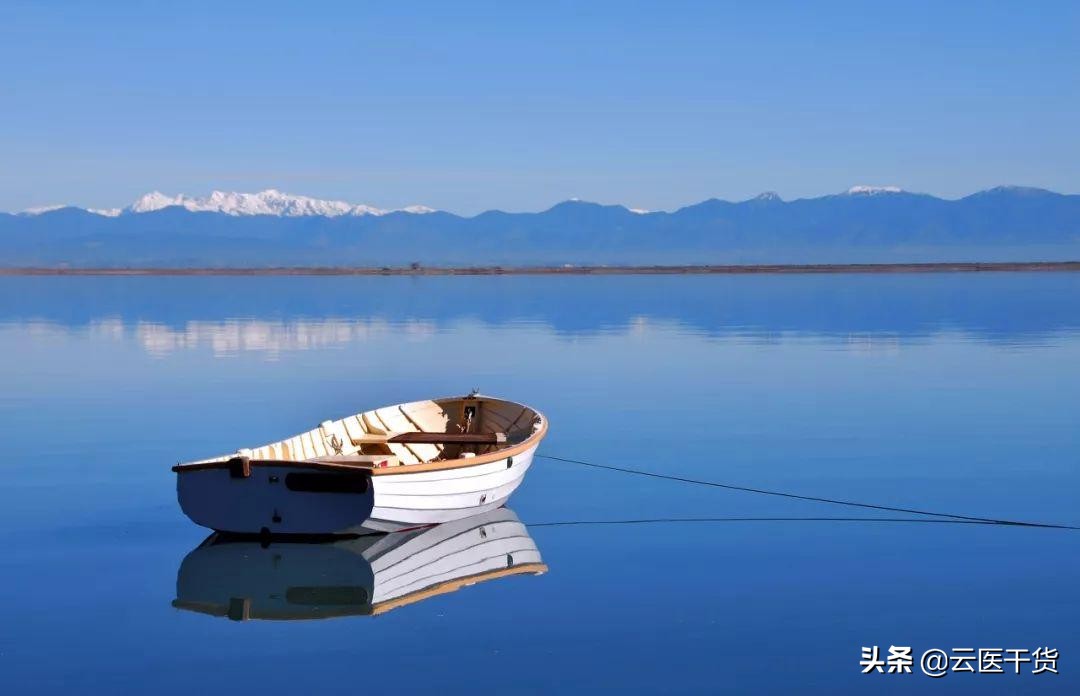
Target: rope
(704,520)
(816,499)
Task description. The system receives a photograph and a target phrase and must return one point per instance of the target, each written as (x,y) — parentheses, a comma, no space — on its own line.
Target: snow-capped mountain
(279,204)
(41,209)
(864,225)
(268,202)
(873,190)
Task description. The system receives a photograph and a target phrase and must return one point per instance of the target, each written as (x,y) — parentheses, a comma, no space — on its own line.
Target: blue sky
(469,106)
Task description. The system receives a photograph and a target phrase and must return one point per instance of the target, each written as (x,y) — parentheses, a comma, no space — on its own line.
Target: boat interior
(411,433)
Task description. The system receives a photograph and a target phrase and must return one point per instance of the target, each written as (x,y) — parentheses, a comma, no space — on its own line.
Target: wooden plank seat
(374,425)
(362,461)
(394,421)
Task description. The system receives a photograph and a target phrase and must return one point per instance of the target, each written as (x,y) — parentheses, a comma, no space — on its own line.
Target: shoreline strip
(734,269)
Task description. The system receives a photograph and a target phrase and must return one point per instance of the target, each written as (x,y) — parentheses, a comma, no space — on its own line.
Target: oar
(431,438)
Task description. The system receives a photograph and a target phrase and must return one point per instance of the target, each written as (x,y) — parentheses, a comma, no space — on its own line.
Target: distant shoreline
(1006,266)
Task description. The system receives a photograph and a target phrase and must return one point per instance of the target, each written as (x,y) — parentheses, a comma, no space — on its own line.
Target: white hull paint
(264,503)
(369,575)
(458,493)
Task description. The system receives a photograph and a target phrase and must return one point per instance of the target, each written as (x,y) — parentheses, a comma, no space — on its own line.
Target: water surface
(945,392)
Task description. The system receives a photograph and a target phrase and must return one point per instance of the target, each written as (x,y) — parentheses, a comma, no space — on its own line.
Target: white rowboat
(400,466)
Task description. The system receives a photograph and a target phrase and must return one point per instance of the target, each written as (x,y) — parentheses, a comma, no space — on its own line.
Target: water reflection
(369,575)
(253,335)
(276,313)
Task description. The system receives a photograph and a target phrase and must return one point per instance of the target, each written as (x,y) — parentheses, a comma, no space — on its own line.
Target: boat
(383,470)
(362,576)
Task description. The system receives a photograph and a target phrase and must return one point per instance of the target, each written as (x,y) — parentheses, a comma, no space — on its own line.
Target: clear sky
(468,106)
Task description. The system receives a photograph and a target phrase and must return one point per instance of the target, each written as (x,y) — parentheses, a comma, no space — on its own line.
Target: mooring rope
(816,499)
(711,520)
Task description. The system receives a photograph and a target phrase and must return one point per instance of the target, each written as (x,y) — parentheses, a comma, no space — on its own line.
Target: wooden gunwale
(460,463)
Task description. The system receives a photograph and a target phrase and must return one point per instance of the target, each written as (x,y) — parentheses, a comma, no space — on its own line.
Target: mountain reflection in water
(299,313)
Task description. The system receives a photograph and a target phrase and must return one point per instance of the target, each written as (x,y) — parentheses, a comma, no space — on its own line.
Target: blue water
(958,393)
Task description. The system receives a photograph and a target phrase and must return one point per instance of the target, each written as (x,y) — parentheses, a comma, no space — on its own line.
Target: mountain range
(862,225)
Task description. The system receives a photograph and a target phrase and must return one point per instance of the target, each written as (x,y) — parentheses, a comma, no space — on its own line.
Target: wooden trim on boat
(460,463)
(456,584)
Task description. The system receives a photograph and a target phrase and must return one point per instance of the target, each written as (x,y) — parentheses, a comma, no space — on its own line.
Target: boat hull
(292,498)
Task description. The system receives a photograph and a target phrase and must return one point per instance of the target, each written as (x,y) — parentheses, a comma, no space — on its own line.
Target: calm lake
(946,392)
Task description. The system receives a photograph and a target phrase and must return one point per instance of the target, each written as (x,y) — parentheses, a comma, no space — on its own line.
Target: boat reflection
(369,575)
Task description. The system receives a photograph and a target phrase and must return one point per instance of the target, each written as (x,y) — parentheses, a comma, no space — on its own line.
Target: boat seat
(375,425)
(427,416)
(376,461)
(398,422)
